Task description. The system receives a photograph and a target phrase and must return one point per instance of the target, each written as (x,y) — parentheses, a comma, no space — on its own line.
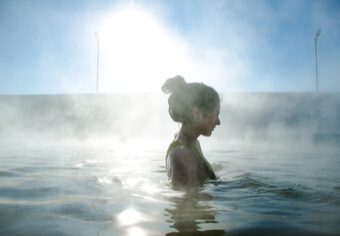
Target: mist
(280,119)
(141,121)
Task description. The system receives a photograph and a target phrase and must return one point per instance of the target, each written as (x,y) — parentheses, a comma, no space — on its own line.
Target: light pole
(317,34)
(96,34)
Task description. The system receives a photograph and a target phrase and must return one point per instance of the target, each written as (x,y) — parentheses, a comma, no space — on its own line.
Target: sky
(49,47)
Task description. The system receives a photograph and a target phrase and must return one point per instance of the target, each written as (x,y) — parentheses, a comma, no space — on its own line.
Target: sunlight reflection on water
(129,217)
(104,193)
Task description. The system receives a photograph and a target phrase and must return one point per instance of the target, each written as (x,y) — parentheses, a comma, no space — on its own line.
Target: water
(94,165)
(100,189)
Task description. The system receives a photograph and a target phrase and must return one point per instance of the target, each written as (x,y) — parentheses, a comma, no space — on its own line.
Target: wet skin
(184,165)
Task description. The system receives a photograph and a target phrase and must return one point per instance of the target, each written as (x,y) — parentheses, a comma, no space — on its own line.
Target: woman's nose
(218,122)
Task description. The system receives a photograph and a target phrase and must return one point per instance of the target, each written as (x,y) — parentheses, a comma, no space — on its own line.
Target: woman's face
(211,120)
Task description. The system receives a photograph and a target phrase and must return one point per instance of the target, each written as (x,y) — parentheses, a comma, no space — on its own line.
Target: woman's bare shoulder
(182,153)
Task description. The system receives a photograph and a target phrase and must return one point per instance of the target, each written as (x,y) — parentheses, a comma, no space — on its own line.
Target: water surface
(72,189)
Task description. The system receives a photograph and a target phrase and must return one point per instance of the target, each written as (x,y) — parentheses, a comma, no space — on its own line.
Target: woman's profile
(196,106)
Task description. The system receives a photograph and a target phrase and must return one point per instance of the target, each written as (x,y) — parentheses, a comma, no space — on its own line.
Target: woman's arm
(183,166)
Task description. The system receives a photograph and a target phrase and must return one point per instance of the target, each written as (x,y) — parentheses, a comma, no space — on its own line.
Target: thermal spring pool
(94,165)
(86,189)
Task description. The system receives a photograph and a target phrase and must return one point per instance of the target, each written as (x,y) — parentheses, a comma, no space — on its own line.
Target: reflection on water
(190,212)
(129,217)
(93,191)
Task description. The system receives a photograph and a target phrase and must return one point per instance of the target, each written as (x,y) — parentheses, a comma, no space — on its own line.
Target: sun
(136,54)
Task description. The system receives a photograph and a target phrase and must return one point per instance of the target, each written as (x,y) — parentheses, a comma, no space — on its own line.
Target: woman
(196,106)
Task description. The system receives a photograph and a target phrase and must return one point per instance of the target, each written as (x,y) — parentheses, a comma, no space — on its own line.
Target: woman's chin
(207,134)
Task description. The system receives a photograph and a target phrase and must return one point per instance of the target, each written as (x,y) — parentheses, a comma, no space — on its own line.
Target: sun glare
(136,53)
(129,217)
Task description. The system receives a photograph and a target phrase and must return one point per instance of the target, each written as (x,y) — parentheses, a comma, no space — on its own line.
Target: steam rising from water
(142,120)
(120,188)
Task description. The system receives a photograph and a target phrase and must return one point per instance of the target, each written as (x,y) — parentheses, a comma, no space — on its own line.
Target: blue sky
(49,47)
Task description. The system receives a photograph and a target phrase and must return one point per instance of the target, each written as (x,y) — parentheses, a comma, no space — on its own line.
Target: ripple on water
(8,174)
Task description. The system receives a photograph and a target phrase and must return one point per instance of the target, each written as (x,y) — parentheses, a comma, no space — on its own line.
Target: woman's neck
(188,133)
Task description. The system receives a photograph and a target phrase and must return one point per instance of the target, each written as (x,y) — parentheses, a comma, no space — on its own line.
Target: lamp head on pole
(96,34)
(317,34)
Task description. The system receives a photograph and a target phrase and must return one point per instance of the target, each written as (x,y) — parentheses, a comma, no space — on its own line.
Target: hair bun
(173,84)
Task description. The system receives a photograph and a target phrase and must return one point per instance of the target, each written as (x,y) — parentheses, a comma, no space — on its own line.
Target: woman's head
(186,97)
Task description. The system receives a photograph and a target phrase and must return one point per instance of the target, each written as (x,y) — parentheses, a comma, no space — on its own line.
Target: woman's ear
(197,114)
